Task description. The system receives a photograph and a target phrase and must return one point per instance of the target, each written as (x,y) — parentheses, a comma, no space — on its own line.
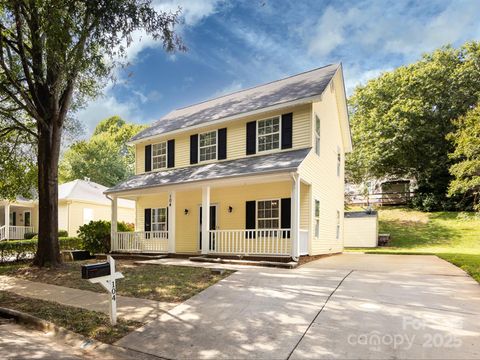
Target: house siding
(236,137)
(74,211)
(320,172)
(187,226)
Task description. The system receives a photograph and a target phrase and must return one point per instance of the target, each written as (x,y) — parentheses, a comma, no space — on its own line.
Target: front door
(213,223)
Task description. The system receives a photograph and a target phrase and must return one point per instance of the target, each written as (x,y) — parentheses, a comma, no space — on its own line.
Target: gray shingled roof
(297,87)
(277,162)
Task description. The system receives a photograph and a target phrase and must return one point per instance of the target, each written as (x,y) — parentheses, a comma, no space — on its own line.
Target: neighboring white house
(79,202)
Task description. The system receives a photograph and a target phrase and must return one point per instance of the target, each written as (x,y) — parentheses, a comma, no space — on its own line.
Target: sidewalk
(128,308)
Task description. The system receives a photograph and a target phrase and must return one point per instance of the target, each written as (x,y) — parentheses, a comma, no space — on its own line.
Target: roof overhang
(264,178)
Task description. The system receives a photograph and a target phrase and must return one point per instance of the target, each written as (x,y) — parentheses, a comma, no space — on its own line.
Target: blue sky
(238,44)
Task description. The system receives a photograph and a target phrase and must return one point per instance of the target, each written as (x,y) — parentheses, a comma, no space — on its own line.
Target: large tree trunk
(48,250)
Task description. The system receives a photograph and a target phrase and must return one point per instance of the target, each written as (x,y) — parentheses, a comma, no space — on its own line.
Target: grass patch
(155,282)
(452,236)
(470,263)
(92,324)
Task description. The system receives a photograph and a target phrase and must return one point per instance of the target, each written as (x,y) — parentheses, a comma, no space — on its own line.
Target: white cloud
(193,11)
(394,27)
(106,106)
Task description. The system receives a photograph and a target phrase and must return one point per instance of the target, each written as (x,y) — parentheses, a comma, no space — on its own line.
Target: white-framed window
(317,219)
(159,219)
(317,135)
(208,146)
(27,218)
(338,224)
(159,155)
(339,161)
(87,215)
(268,134)
(268,214)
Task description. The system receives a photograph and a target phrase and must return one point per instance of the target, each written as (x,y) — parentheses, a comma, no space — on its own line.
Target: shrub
(62,233)
(95,236)
(21,249)
(30,235)
(123,226)
(16,249)
(70,243)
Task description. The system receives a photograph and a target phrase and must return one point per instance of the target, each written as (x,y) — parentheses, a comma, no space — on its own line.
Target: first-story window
(159,156)
(268,214)
(87,215)
(317,219)
(338,224)
(27,218)
(208,146)
(159,219)
(268,134)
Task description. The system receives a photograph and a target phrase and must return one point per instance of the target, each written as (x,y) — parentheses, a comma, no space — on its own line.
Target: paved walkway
(128,308)
(17,342)
(346,306)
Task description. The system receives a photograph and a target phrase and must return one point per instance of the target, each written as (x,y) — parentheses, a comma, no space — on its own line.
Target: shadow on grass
(413,234)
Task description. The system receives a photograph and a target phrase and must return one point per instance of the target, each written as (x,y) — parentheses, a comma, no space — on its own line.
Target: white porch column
(295,218)
(171,222)
(114,228)
(205,218)
(7,220)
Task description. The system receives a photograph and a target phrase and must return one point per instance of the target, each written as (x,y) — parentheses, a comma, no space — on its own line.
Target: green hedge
(21,249)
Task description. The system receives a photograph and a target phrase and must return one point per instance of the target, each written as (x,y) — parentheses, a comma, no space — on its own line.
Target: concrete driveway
(345,306)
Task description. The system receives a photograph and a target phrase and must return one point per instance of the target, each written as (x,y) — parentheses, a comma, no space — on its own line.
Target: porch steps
(132,256)
(219,260)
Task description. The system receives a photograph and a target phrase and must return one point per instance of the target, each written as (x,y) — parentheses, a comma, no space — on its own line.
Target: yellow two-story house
(266,162)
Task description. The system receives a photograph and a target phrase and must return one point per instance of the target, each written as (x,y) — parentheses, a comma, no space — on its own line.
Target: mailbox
(95,270)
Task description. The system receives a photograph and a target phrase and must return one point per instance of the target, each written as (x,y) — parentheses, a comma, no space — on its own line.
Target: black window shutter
(251,137)
(222,144)
(166,225)
(194,149)
(148,158)
(171,153)
(148,219)
(286,216)
(250,218)
(287,131)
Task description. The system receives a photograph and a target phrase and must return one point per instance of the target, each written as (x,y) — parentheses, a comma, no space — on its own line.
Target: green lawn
(453,236)
(92,324)
(155,282)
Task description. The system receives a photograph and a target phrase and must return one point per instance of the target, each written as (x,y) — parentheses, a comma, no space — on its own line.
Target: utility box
(95,270)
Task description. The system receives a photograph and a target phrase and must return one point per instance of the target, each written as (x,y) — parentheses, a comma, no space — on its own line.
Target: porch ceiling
(285,161)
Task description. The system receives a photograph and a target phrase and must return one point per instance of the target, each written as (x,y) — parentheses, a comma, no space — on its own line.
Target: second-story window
(159,156)
(268,134)
(208,146)
(317,135)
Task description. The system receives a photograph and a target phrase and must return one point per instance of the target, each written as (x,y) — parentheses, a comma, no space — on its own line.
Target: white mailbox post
(107,281)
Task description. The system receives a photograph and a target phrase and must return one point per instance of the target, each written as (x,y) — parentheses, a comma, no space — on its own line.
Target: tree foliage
(105,158)
(466,170)
(53,55)
(400,120)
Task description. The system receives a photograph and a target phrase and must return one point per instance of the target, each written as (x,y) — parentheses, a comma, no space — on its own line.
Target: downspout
(295,178)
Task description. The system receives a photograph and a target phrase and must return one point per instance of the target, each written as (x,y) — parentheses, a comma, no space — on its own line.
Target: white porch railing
(251,242)
(15,232)
(140,241)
